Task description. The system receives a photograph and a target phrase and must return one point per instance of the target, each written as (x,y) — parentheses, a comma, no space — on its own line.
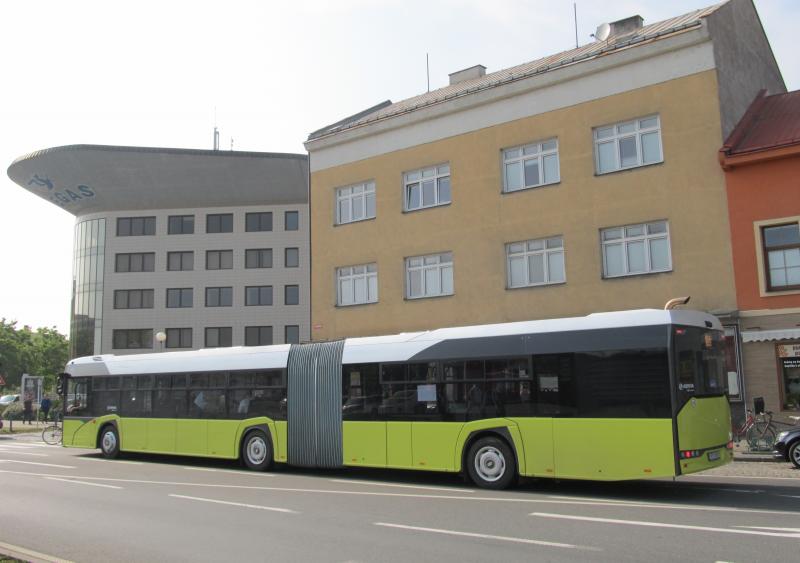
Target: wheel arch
(263,427)
(101,427)
(505,433)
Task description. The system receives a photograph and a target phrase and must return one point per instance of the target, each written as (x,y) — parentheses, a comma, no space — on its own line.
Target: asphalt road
(72,504)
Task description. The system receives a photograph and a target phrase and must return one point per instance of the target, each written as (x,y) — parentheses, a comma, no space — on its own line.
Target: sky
(158,73)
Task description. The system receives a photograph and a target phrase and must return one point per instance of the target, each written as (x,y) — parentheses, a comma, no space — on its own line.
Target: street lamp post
(161,336)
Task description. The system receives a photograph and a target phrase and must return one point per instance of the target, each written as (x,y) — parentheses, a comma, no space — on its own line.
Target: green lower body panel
(364,443)
(398,445)
(704,426)
(537,439)
(608,449)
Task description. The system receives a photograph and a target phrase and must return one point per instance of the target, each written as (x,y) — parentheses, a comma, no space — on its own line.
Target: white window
(429,276)
(636,249)
(355,203)
(357,284)
(628,145)
(427,187)
(535,262)
(530,166)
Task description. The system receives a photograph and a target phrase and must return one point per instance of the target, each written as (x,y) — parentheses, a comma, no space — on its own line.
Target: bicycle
(54,433)
(759,431)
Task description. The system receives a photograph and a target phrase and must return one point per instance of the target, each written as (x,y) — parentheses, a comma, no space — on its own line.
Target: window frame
(347,194)
(286,251)
(183,229)
(367,275)
(286,294)
(615,138)
(545,252)
(182,332)
(286,334)
(219,218)
(765,250)
(128,255)
(439,266)
(219,259)
(290,213)
(148,223)
(259,217)
(127,293)
(182,256)
(260,329)
(219,296)
(127,333)
(522,158)
(625,240)
(181,297)
(260,288)
(218,329)
(259,256)
(437,176)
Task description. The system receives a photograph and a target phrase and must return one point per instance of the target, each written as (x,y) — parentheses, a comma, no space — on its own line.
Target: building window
(428,187)
(429,276)
(291,295)
(357,285)
(782,251)
(179,297)
(132,339)
(258,295)
(628,145)
(133,299)
(291,334)
(179,337)
(530,166)
(180,225)
(636,249)
(255,222)
(535,262)
(257,335)
(258,258)
(180,261)
(219,259)
(291,221)
(218,337)
(291,258)
(219,223)
(355,203)
(136,226)
(219,297)
(135,262)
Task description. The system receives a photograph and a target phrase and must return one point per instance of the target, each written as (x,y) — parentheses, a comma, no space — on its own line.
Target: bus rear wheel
(109,442)
(257,451)
(491,464)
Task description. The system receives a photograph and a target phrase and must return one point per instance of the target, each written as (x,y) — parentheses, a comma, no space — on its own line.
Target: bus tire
(491,463)
(257,451)
(109,441)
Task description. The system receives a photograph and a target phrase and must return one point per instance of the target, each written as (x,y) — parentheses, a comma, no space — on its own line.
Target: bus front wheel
(491,464)
(109,442)
(257,451)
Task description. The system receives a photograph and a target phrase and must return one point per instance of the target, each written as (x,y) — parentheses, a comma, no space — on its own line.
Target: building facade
(180,249)
(761,159)
(585,181)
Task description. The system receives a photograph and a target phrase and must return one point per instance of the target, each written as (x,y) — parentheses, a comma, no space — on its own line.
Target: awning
(768,335)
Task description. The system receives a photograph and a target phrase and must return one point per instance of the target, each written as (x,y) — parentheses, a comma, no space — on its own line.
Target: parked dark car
(787,446)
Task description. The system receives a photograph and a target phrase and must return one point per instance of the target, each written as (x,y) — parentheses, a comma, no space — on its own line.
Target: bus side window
(554,385)
(78,397)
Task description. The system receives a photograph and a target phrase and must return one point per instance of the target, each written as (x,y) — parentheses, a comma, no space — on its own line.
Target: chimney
(467,74)
(627,25)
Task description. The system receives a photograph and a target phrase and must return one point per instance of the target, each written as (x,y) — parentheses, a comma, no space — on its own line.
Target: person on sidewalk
(27,409)
(45,407)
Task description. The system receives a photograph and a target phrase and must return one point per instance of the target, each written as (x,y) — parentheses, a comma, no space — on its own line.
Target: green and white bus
(610,396)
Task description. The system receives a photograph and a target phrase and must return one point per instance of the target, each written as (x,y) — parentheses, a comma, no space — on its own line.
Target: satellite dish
(603,31)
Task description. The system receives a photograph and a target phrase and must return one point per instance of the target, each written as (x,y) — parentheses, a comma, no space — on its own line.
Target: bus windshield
(699,362)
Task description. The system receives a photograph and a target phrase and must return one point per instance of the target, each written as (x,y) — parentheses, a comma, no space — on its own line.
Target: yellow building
(585,181)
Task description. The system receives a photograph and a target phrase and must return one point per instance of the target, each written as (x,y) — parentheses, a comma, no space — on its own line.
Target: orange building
(761,160)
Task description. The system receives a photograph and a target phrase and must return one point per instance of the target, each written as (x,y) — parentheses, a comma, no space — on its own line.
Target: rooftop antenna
(231,143)
(575,11)
(216,131)
(428,71)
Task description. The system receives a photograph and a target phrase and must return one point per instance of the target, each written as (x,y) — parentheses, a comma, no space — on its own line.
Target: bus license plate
(713,456)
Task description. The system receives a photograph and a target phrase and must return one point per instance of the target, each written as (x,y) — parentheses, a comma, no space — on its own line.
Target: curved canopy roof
(95,178)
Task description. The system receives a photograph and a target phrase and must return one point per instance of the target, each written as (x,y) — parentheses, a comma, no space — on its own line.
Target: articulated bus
(610,396)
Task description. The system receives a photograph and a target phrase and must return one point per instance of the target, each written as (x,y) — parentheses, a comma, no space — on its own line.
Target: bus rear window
(699,362)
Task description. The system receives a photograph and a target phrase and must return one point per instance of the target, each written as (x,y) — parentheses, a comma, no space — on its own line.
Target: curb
(755,458)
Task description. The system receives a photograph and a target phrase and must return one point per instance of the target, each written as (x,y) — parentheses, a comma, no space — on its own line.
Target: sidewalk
(741,452)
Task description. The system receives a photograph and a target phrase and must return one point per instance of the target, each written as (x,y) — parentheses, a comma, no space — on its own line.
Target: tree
(43,353)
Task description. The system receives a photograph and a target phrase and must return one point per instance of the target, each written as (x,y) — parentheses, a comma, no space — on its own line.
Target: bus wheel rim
(109,442)
(490,464)
(257,450)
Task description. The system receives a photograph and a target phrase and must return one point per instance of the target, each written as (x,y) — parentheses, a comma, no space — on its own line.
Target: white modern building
(210,248)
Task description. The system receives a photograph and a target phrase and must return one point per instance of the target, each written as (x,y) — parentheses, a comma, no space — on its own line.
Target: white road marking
(83,483)
(18,452)
(637,504)
(38,463)
(87,458)
(724,489)
(687,478)
(790,496)
(17,551)
(662,525)
(26,445)
(199,468)
(483,536)
(256,506)
(793,530)
(379,484)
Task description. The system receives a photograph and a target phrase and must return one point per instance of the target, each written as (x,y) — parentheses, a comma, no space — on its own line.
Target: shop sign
(789,350)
